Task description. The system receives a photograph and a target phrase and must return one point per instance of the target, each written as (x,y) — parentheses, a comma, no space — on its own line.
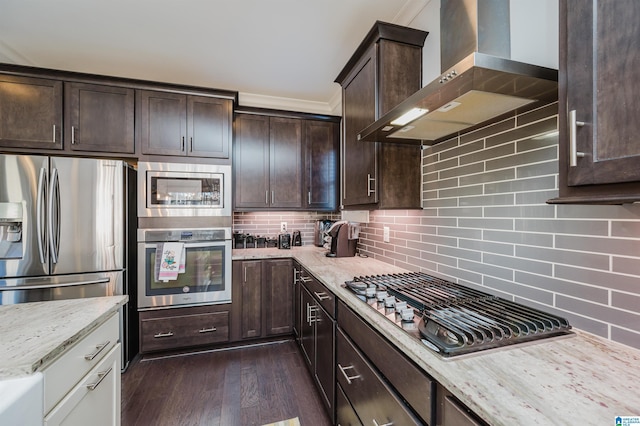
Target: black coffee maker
(344,239)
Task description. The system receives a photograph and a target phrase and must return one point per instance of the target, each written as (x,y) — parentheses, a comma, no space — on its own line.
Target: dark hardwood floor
(241,386)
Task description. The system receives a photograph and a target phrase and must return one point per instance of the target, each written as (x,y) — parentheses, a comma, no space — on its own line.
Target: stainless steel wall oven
(205,275)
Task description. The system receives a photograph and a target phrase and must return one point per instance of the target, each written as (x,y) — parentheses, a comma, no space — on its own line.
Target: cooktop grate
(458,319)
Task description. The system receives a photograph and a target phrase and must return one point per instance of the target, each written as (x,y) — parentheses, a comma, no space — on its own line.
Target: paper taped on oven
(170,261)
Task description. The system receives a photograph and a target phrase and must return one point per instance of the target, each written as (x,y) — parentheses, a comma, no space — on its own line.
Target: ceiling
(274,52)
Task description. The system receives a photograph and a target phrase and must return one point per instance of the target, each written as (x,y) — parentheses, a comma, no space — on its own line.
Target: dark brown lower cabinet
(262,298)
(345,414)
(452,412)
(168,329)
(317,336)
(278,296)
(372,399)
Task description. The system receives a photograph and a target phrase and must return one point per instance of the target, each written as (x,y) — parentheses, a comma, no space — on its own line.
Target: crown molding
(287,104)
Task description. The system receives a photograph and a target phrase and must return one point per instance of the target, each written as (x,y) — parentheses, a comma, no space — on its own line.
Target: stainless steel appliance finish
(71,216)
(180,189)
(479,81)
(453,319)
(207,275)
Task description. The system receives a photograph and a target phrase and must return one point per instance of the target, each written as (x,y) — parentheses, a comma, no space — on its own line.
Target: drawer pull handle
(574,154)
(160,335)
(207,330)
(101,377)
(322,296)
(349,378)
(375,423)
(99,348)
(305,279)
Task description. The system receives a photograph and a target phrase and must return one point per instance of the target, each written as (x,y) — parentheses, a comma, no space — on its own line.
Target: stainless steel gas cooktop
(453,319)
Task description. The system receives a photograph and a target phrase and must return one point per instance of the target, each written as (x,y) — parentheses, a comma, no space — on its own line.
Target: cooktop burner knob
(389,302)
(370,292)
(406,314)
(400,306)
(381,295)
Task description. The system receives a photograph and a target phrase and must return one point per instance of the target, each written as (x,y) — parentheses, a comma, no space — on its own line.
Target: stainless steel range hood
(478,83)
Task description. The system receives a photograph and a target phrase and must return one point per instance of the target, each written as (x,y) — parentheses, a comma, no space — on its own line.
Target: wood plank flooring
(242,386)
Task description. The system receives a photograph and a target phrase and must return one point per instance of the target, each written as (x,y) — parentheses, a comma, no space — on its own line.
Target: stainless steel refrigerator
(63,228)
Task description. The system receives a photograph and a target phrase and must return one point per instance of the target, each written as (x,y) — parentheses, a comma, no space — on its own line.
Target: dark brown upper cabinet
(285,160)
(99,118)
(267,162)
(321,147)
(599,102)
(30,112)
(184,125)
(385,70)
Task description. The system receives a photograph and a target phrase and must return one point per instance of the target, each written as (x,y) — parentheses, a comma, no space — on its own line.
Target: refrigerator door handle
(40,202)
(54,203)
(56,285)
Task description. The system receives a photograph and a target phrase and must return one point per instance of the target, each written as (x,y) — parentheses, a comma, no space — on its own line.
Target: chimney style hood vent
(478,83)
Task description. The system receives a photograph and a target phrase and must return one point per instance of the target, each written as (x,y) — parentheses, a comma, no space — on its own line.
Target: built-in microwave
(181,189)
(202,273)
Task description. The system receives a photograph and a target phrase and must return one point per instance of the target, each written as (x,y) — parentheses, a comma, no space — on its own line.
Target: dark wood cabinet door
(251,161)
(285,175)
(297,317)
(163,121)
(359,110)
(30,112)
(308,308)
(99,118)
(598,73)
(321,165)
(325,358)
(278,296)
(209,126)
(251,298)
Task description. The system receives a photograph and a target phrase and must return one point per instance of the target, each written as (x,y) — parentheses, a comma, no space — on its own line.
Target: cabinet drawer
(345,415)
(414,386)
(182,331)
(66,371)
(95,400)
(326,299)
(372,399)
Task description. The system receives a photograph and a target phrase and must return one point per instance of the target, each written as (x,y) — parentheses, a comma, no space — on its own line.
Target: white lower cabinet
(82,386)
(95,400)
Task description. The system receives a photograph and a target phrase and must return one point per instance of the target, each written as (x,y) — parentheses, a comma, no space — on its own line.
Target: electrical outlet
(385,234)
(283,226)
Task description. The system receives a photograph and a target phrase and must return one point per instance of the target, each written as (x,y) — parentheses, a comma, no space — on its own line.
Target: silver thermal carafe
(319,231)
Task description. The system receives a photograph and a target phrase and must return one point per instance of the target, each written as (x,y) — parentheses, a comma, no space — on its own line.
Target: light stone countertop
(34,334)
(582,379)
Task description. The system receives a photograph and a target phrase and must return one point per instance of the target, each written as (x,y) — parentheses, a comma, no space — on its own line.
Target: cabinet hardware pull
(191,144)
(73,135)
(101,377)
(207,330)
(369,180)
(311,318)
(272,197)
(182,144)
(309,196)
(349,378)
(573,139)
(266,197)
(322,296)
(375,423)
(295,276)
(160,335)
(99,348)
(305,279)
(245,275)
(54,133)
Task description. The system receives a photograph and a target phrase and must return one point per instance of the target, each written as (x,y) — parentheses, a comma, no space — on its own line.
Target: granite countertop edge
(555,381)
(34,334)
